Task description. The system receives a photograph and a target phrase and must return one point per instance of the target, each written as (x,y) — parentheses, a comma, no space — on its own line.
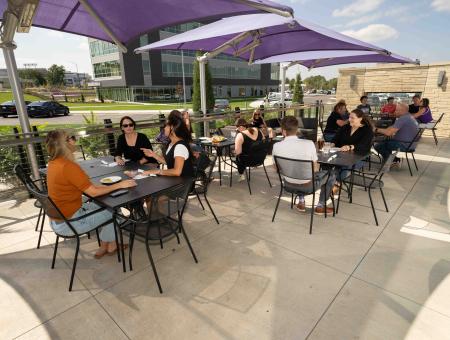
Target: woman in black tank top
(243,143)
(178,156)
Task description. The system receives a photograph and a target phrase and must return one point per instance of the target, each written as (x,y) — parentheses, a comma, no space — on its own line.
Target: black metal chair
(411,148)
(256,157)
(299,170)
(27,181)
(369,181)
(53,212)
(163,220)
(432,126)
(203,177)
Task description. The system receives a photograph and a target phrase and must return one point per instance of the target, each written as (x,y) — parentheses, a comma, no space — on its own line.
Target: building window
(98,47)
(236,72)
(182,28)
(172,69)
(242,91)
(275,71)
(143,40)
(107,69)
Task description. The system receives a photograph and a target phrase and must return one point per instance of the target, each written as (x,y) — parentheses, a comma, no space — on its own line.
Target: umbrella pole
(201,64)
(11,66)
(283,85)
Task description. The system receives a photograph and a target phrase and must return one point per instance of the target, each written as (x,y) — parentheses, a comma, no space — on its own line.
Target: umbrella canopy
(131,18)
(314,59)
(270,34)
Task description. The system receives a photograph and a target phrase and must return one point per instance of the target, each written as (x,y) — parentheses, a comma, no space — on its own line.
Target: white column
(283,85)
(203,94)
(184,80)
(14,80)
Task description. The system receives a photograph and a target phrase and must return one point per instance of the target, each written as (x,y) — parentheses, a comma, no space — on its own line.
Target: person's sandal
(111,253)
(100,253)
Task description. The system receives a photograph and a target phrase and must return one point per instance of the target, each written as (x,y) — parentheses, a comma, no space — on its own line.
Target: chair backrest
(177,199)
(24,177)
(49,206)
(294,169)
(227,131)
(439,119)
(205,167)
(273,123)
(258,153)
(412,144)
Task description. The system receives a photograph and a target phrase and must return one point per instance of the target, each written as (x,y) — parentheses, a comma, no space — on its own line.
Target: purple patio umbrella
(258,36)
(314,59)
(118,21)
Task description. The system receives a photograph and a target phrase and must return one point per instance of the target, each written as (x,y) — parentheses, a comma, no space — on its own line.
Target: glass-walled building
(158,75)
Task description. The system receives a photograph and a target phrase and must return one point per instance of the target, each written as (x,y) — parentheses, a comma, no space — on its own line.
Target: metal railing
(99,139)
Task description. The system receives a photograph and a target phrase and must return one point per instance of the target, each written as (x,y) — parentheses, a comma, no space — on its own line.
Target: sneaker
(396,165)
(301,207)
(321,211)
(242,178)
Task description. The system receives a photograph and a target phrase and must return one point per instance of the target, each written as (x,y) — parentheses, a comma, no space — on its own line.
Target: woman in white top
(178,156)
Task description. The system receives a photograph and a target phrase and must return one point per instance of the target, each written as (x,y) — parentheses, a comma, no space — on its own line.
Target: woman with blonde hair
(66,183)
(259,123)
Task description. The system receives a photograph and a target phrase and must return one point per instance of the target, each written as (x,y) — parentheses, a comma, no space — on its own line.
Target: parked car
(47,108)
(9,108)
(221,105)
(277,103)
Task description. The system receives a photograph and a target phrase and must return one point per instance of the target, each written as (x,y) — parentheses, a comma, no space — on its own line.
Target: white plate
(110,180)
(335,149)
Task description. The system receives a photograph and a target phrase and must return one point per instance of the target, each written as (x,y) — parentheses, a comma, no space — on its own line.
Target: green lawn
(7,96)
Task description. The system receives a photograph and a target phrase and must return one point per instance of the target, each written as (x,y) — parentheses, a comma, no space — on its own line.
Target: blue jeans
(385,148)
(320,181)
(84,225)
(344,172)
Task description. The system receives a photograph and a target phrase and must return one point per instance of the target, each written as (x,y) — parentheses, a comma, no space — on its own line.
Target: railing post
(261,109)
(38,146)
(237,112)
(110,136)
(22,153)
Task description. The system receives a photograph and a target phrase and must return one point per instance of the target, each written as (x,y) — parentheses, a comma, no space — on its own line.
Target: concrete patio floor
(255,279)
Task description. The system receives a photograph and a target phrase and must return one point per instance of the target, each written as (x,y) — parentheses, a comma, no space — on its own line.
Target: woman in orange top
(67,182)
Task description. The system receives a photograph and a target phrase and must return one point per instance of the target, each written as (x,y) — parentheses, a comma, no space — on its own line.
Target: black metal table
(220,147)
(342,159)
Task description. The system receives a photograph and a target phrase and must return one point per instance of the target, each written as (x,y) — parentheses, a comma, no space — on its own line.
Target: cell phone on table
(118,192)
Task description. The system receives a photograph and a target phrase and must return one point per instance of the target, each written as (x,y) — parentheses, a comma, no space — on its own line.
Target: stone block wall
(400,78)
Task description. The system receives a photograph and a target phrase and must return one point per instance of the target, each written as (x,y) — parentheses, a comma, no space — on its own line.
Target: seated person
(245,138)
(388,109)
(259,123)
(130,142)
(337,119)
(415,106)
(304,149)
(356,136)
(402,133)
(424,116)
(66,183)
(364,106)
(178,156)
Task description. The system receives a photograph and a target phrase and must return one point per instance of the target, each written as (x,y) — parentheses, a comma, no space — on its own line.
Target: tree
(35,76)
(55,75)
(298,90)
(287,81)
(196,86)
(291,84)
(82,98)
(65,97)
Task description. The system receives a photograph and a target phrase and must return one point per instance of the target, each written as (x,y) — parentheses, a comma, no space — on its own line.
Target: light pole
(78,77)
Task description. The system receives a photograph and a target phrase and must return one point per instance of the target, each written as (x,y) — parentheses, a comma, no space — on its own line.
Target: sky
(417,29)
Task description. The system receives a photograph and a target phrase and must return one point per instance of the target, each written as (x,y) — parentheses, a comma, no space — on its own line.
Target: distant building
(157,75)
(74,79)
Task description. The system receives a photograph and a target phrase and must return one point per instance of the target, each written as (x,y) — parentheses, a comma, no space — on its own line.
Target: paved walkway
(255,279)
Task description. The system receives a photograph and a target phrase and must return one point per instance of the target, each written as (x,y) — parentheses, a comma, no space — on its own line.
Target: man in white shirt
(302,149)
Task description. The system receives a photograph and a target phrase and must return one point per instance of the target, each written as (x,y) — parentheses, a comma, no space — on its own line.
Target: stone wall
(399,78)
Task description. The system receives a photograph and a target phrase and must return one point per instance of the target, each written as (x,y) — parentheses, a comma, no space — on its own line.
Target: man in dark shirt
(337,118)
(364,107)
(415,106)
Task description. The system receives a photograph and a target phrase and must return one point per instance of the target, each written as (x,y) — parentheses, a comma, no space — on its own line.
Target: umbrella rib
(72,12)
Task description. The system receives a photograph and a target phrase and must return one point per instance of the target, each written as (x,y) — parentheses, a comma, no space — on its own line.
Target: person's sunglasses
(128,125)
(73,138)
(257,115)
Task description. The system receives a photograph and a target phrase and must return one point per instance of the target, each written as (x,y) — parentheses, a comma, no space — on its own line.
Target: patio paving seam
(159,259)
(367,252)
(403,297)
(53,317)
(111,317)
